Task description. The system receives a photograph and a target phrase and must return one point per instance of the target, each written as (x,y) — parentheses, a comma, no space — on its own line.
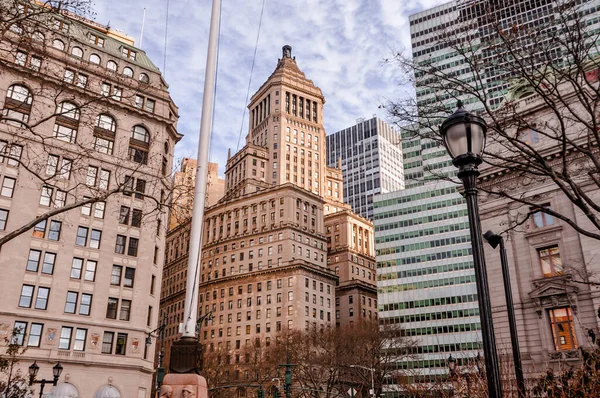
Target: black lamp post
(33,371)
(452,365)
(494,240)
(464,138)
(160,371)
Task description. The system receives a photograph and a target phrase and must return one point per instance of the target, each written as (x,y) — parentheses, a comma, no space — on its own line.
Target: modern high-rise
(425,267)
(278,243)
(85,114)
(371,159)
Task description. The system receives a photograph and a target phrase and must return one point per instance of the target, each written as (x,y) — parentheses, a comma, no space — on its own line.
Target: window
(35,334)
(41,300)
(95,238)
(132,249)
(129,277)
(120,244)
(17,106)
(64,343)
(563,329)
(97,40)
(69,76)
(541,219)
(111,66)
(115,277)
(99,209)
(33,260)
(58,44)
(39,230)
(121,344)
(26,296)
(71,302)
(60,199)
(8,185)
(60,25)
(77,52)
(529,136)
(81,80)
(550,261)
(54,231)
(86,304)
(76,267)
(136,218)
(111,309)
(46,196)
(90,270)
(125,310)
(82,234)
(67,122)
(79,343)
(95,59)
(128,53)
(149,105)
(128,72)
(48,264)
(107,342)
(65,169)
(140,133)
(144,78)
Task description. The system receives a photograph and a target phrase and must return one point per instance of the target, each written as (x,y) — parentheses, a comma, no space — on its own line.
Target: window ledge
(543,230)
(571,355)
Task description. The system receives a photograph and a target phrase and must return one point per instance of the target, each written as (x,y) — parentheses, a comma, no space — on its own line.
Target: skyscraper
(371,161)
(85,114)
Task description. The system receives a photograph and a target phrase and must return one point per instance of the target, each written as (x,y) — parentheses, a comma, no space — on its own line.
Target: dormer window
(128,53)
(61,25)
(97,40)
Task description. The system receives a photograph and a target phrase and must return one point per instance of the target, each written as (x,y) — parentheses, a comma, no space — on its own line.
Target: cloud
(339,44)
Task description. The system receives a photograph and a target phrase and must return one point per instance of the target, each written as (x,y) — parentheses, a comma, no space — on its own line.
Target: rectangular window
(99,209)
(550,261)
(65,169)
(51,165)
(129,277)
(76,267)
(64,342)
(541,219)
(19,329)
(33,260)
(136,218)
(120,244)
(81,80)
(46,196)
(48,264)
(69,76)
(35,334)
(71,302)
(124,215)
(39,230)
(563,329)
(54,231)
(60,199)
(121,344)
(140,188)
(79,343)
(92,174)
(132,249)
(149,105)
(81,239)
(90,270)
(95,238)
(86,304)
(8,186)
(3,218)
(115,277)
(125,310)
(41,300)
(107,342)
(104,180)
(111,309)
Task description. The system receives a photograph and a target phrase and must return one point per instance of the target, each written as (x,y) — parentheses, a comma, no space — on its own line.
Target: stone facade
(83,288)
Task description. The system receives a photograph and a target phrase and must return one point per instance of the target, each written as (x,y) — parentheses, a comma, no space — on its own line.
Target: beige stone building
(183,190)
(84,113)
(266,264)
(551,265)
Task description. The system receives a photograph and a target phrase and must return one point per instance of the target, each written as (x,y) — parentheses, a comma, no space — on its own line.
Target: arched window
(58,44)
(95,59)
(140,133)
(111,66)
(67,122)
(127,71)
(104,134)
(37,36)
(17,106)
(77,52)
(139,144)
(144,78)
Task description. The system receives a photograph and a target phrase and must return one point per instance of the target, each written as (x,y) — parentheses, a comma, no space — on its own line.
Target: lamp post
(160,371)
(494,240)
(372,377)
(33,371)
(464,138)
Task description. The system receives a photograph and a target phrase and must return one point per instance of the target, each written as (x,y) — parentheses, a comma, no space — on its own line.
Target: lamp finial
(459,104)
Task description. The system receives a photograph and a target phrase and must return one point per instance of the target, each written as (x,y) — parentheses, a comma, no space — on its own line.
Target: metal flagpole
(188,328)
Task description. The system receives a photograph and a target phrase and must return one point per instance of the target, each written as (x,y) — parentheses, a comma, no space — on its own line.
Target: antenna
(142,32)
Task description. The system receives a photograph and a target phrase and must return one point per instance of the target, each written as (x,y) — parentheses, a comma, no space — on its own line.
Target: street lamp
(160,371)
(452,365)
(464,138)
(494,240)
(35,368)
(372,377)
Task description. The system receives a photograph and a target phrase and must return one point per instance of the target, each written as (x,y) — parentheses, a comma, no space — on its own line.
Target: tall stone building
(371,159)
(183,190)
(266,264)
(85,114)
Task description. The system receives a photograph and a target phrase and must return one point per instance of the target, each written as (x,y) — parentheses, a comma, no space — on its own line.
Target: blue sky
(339,44)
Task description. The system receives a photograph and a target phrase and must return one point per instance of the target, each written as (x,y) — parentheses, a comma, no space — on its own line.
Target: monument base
(187,385)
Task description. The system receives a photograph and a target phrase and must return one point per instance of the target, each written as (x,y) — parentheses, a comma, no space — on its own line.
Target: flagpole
(188,328)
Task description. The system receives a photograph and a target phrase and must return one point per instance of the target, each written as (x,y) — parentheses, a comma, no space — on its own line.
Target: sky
(339,44)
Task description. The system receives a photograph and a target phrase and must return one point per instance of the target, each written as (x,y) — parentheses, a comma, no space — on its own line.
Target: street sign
(351,391)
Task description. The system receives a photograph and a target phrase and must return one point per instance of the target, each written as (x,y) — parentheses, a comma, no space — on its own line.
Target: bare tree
(13,384)
(43,118)
(552,62)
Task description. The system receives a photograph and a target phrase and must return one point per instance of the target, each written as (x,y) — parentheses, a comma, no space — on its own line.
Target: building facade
(183,190)
(371,161)
(267,264)
(85,115)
